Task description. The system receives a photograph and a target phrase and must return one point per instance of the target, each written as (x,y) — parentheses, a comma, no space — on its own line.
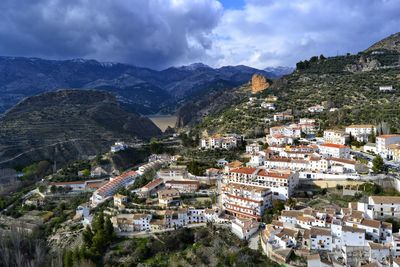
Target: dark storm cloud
(154,33)
(160,33)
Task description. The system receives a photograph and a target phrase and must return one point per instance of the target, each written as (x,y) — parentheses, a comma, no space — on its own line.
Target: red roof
(153,183)
(333,145)
(274,174)
(244,170)
(388,135)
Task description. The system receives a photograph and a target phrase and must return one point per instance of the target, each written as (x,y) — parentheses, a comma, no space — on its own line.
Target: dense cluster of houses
(347,237)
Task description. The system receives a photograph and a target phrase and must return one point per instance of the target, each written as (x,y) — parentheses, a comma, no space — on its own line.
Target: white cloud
(282,32)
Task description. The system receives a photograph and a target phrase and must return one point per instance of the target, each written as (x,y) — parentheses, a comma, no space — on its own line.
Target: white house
(335,137)
(361,131)
(118,146)
(316,109)
(383,142)
(334,150)
(253,148)
(387,88)
(244,228)
(321,238)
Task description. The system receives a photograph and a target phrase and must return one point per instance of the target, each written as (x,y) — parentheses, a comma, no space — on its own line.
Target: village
(265,198)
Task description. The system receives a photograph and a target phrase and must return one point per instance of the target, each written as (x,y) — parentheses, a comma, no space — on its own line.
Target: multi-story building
(383,142)
(334,150)
(218,141)
(120,200)
(361,132)
(131,222)
(151,188)
(381,207)
(174,172)
(166,197)
(281,182)
(110,188)
(321,238)
(394,152)
(335,137)
(244,228)
(245,201)
(183,186)
(253,148)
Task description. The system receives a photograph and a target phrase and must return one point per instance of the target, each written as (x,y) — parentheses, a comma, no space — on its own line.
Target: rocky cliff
(259,83)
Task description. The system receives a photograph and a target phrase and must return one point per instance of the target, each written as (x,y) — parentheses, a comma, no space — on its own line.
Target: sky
(162,33)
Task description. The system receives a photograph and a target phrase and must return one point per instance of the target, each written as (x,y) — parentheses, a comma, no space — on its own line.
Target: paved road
(253,241)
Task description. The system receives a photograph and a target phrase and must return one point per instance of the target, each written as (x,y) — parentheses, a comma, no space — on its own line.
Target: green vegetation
(378,164)
(186,247)
(96,241)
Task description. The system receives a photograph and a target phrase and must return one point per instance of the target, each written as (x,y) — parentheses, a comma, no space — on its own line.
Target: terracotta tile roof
(348,161)
(274,174)
(373,245)
(291,213)
(320,231)
(153,183)
(235,164)
(333,145)
(352,229)
(244,170)
(371,223)
(388,136)
(386,199)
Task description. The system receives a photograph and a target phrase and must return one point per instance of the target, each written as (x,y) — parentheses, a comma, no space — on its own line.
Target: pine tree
(109,229)
(378,164)
(68,259)
(87,237)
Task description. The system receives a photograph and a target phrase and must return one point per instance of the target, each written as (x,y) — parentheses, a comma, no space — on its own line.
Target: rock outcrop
(259,83)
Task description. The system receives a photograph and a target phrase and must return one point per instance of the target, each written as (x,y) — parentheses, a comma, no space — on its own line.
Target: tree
(87,236)
(291,202)
(68,259)
(372,136)
(322,57)
(377,164)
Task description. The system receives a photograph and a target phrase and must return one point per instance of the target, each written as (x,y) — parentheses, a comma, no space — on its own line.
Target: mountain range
(142,90)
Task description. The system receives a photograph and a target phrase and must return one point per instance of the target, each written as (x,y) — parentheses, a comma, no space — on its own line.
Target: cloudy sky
(161,33)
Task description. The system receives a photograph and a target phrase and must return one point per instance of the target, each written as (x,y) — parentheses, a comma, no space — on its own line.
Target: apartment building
(253,148)
(183,186)
(381,207)
(338,137)
(244,228)
(151,188)
(361,132)
(281,182)
(131,222)
(245,201)
(219,141)
(334,150)
(383,142)
(111,187)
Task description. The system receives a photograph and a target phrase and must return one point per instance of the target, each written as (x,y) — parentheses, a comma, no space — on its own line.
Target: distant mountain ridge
(142,90)
(76,123)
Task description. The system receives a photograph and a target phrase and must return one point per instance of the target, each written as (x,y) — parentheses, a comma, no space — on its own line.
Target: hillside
(141,90)
(349,85)
(66,125)
(391,43)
